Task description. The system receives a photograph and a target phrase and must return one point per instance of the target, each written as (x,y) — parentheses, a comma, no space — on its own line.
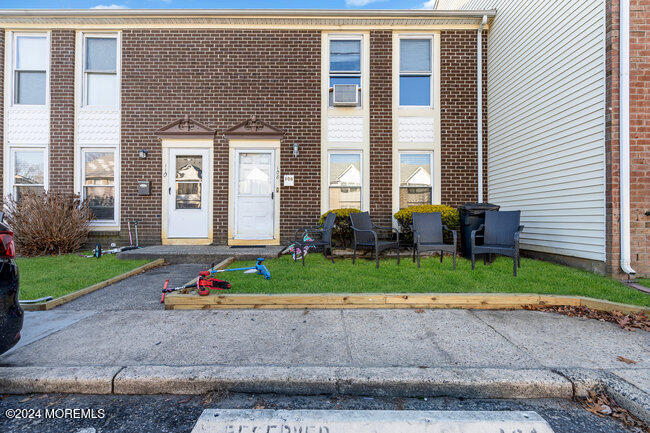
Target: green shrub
(342,231)
(405,218)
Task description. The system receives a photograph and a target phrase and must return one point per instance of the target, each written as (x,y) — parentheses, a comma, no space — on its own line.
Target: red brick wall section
(639,137)
(220,78)
(61,168)
(381,140)
(458,117)
(2,113)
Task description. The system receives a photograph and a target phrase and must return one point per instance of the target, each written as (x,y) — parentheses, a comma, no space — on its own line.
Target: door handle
(272,195)
(170,190)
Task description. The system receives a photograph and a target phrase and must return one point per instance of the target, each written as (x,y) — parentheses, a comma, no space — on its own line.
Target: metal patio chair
(365,236)
(501,233)
(324,232)
(428,235)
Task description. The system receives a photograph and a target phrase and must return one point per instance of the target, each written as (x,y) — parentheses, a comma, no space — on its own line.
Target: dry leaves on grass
(603,405)
(629,322)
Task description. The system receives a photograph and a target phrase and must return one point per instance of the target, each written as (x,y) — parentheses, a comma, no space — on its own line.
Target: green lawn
(59,275)
(321,276)
(644,282)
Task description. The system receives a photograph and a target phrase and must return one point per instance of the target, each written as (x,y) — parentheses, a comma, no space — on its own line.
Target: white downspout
(624,134)
(479,105)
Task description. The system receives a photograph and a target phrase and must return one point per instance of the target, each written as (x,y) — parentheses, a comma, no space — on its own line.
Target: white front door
(254,194)
(188,192)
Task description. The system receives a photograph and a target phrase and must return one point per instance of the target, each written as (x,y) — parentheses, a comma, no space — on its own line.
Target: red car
(11,314)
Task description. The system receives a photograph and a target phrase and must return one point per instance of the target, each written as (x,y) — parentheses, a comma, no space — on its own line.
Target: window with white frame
(30,69)
(345,180)
(345,64)
(28,171)
(98,182)
(100,70)
(415,178)
(415,72)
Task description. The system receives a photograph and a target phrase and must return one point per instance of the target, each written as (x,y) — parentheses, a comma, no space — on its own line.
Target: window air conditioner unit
(346,95)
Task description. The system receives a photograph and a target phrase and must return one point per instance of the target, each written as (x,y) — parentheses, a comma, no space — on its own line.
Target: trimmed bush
(342,231)
(48,223)
(448,214)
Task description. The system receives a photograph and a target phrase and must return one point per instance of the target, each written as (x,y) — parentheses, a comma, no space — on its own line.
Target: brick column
(61,169)
(381,126)
(458,88)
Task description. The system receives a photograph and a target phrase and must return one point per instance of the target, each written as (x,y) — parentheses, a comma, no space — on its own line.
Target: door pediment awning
(185,127)
(253,128)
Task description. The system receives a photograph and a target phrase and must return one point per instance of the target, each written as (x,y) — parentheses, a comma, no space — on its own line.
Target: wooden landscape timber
(487,301)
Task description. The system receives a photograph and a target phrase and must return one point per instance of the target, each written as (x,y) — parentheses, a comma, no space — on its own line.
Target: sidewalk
(499,354)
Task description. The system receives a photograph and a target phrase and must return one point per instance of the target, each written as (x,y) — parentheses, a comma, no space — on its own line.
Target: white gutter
(479,105)
(624,134)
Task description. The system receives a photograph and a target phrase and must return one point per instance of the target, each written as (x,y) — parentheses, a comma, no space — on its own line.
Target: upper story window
(345,65)
(100,71)
(415,72)
(30,69)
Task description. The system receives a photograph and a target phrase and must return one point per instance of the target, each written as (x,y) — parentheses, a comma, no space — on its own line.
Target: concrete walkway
(120,340)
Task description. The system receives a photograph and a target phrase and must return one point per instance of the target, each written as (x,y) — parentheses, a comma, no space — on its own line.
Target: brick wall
(639,137)
(2,113)
(458,117)
(61,167)
(381,115)
(220,78)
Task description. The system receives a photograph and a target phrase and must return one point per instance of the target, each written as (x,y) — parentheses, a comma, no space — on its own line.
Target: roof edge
(356,13)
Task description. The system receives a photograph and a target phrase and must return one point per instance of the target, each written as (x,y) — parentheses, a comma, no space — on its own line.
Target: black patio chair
(500,236)
(365,236)
(428,235)
(322,239)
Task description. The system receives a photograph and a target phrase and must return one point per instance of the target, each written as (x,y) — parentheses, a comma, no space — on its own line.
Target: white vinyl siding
(546,120)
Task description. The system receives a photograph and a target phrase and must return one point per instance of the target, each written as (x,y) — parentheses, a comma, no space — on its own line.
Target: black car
(11,314)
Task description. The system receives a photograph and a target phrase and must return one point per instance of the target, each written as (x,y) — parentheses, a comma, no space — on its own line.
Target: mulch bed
(629,322)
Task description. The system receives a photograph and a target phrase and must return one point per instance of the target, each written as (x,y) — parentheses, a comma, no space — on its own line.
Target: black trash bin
(472,215)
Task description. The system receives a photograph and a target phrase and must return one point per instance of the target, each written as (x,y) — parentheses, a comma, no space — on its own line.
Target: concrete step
(205,254)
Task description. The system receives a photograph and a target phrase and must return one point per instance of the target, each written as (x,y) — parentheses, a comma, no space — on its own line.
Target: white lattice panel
(416,130)
(27,125)
(98,126)
(345,129)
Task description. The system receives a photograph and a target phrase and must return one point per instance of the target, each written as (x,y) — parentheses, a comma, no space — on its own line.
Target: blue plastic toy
(258,269)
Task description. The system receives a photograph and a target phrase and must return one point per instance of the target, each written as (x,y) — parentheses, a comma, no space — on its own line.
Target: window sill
(94,228)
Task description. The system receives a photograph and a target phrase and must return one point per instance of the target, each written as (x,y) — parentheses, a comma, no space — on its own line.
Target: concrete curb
(373,381)
(72,380)
(393,382)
